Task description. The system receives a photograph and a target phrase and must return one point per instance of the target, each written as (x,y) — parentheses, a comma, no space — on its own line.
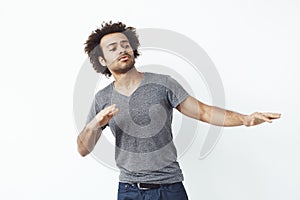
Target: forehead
(112,37)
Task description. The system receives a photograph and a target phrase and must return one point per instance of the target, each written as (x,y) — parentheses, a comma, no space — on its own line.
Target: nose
(122,50)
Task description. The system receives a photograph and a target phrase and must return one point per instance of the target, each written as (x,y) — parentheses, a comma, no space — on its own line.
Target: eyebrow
(113,43)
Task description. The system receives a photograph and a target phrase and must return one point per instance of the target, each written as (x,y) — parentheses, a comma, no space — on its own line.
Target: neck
(127,79)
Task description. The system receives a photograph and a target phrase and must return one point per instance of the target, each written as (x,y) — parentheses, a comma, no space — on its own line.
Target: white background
(254,45)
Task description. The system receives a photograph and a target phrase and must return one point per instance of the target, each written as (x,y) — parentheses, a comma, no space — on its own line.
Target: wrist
(93,125)
(243,119)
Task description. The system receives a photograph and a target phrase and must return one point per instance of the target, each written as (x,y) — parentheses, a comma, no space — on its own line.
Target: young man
(138,109)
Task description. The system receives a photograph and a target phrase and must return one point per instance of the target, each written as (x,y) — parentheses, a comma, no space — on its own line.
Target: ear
(102,61)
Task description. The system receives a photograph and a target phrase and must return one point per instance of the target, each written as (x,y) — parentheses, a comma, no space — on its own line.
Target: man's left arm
(194,108)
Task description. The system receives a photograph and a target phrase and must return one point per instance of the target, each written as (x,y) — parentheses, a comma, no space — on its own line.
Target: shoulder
(104,93)
(158,78)
(152,74)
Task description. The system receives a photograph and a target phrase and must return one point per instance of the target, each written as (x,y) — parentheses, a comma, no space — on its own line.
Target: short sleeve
(94,110)
(175,92)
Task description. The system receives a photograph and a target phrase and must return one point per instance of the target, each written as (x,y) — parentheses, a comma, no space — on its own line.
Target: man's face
(118,54)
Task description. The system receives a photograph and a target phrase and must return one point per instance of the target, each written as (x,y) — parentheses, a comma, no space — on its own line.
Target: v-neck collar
(140,84)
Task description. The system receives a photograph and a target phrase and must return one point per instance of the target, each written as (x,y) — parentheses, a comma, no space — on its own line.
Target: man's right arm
(91,133)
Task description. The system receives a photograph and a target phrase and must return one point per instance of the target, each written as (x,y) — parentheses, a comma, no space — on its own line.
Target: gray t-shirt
(144,148)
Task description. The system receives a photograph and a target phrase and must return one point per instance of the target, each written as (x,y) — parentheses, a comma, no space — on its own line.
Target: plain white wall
(254,45)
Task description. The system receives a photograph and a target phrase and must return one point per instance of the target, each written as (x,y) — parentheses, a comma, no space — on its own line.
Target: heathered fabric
(144,148)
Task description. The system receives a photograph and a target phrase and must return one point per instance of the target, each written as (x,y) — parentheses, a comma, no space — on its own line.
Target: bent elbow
(82,151)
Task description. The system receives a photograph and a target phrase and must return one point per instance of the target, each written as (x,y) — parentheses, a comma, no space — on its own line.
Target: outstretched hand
(258,118)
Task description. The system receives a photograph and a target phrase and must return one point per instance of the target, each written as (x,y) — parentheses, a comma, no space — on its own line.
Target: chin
(124,69)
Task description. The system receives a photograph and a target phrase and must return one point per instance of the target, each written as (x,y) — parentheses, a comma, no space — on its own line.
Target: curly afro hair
(92,45)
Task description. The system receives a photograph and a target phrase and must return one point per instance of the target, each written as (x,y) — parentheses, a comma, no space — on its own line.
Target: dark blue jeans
(175,191)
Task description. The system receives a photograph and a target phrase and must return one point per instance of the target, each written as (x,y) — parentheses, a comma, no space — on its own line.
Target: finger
(107,109)
(114,111)
(272,115)
(264,118)
(105,113)
(110,107)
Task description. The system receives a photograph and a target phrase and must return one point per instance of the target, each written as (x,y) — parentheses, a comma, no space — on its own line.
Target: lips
(124,58)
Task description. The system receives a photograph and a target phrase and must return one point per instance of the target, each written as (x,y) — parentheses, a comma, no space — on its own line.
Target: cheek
(110,57)
(131,52)
(131,49)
